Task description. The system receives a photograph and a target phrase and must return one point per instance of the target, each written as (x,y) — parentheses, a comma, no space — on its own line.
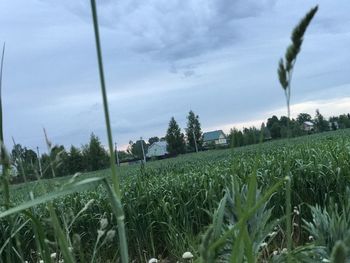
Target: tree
(24,160)
(303,117)
(344,121)
(136,148)
(275,130)
(264,133)
(75,160)
(274,127)
(271,121)
(321,123)
(124,155)
(237,138)
(193,131)
(59,160)
(153,140)
(296,128)
(175,138)
(95,156)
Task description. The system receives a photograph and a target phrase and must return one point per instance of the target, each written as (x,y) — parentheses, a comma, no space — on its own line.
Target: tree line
(277,128)
(93,156)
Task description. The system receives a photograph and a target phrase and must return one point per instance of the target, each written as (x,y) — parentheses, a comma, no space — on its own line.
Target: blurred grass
(169,203)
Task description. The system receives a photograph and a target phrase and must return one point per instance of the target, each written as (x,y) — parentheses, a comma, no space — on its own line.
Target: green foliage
(152,140)
(302,117)
(179,195)
(236,137)
(75,160)
(344,121)
(136,148)
(330,223)
(321,124)
(175,138)
(248,242)
(25,160)
(95,156)
(194,133)
(339,253)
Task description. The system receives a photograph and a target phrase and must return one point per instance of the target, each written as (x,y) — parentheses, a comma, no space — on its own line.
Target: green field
(169,204)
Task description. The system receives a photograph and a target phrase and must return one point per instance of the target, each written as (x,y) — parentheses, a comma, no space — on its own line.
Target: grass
(224,206)
(170,204)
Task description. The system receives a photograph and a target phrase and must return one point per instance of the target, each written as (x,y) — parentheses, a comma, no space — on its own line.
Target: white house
(214,138)
(157,149)
(308,126)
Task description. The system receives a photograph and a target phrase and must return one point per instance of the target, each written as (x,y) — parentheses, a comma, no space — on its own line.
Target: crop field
(282,200)
(174,205)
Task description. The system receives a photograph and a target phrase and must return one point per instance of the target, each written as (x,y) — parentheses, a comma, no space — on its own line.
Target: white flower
(325,260)
(296,210)
(311,238)
(272,234)
(103,223)
(100,233)
(53,255)
(284,250)
(153,260)
(110,235)
(263,244)
(187,255)
(275,253)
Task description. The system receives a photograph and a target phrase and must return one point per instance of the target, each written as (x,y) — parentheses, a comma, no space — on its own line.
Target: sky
(161,59)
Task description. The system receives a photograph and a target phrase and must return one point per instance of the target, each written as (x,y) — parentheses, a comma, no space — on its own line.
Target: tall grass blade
(82,185)
(115,179)
(1,68)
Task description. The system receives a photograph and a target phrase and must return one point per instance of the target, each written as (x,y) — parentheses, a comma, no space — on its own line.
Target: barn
(157,149)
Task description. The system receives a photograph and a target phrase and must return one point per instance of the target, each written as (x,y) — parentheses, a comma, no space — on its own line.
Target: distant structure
(308,126)
(333,125)
(214,138)
(157,149)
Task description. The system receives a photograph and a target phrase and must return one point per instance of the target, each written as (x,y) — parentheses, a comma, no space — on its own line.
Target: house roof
(160,144)
(212,135)
(309,123)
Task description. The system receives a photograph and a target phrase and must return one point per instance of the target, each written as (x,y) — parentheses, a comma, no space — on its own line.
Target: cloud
(161,59)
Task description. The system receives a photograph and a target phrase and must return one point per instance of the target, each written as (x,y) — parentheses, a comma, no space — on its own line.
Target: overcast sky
(163,58)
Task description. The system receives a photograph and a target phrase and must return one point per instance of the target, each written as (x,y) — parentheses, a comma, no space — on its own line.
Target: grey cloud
(161,59)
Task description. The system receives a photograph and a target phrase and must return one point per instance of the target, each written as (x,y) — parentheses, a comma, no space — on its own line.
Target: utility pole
(116,154)
(143,150)
(195,141)
(39,161)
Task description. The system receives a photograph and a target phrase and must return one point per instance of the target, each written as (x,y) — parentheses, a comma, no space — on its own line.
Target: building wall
(156,150)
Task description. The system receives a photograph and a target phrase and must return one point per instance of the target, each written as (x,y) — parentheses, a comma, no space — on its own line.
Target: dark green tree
(153,140)
(303,117)
(75,160)
(59,159)
(275,130)
(194,131)
(95,156)
(321,123)
(175,138)
(124,156)
(264,133)
(25,160)
(236,138)
(344,121)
